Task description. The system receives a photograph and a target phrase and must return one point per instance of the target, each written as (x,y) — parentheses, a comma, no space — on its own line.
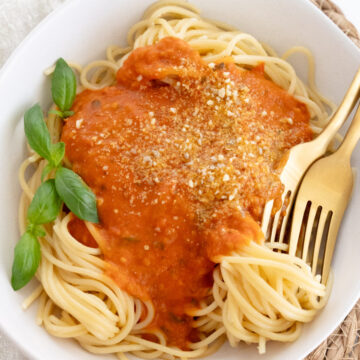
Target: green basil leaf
(56,112)
(62,114)
(38,230)
(26,260)
(68,113)
(36,132)
(45,205)
(30,228)
(57,153)
(77,196)
(47,169)
(63,85)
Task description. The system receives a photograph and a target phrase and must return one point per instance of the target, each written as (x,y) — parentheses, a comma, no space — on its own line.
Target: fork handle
(351,138)
(340,115)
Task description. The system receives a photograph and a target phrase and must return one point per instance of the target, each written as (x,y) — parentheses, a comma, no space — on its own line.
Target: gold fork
(300,158)
(321,202)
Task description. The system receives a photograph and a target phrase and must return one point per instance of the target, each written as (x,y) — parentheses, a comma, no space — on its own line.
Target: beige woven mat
(344,342)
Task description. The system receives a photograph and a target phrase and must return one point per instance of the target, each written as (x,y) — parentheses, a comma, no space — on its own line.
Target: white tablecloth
(17,18)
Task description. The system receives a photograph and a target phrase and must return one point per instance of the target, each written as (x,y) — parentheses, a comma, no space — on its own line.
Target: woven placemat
(344,342)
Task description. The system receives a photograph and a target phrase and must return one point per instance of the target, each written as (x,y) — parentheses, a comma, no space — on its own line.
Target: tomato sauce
(182,156)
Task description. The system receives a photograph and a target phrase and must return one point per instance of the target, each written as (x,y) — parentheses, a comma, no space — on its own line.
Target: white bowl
(80,31)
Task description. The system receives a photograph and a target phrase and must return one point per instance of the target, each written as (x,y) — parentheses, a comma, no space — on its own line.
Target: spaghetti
(257,294)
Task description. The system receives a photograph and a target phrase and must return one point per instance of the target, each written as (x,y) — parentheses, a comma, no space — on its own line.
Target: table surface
(19,17)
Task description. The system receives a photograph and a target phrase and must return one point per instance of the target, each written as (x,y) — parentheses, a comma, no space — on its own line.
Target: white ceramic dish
(80,30)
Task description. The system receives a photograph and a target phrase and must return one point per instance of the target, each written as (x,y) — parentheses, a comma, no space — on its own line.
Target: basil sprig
(43,209)
(45,205)
(37,133)
(67,187)
(63,88)
(76,194)
(26,260)
(38,137)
